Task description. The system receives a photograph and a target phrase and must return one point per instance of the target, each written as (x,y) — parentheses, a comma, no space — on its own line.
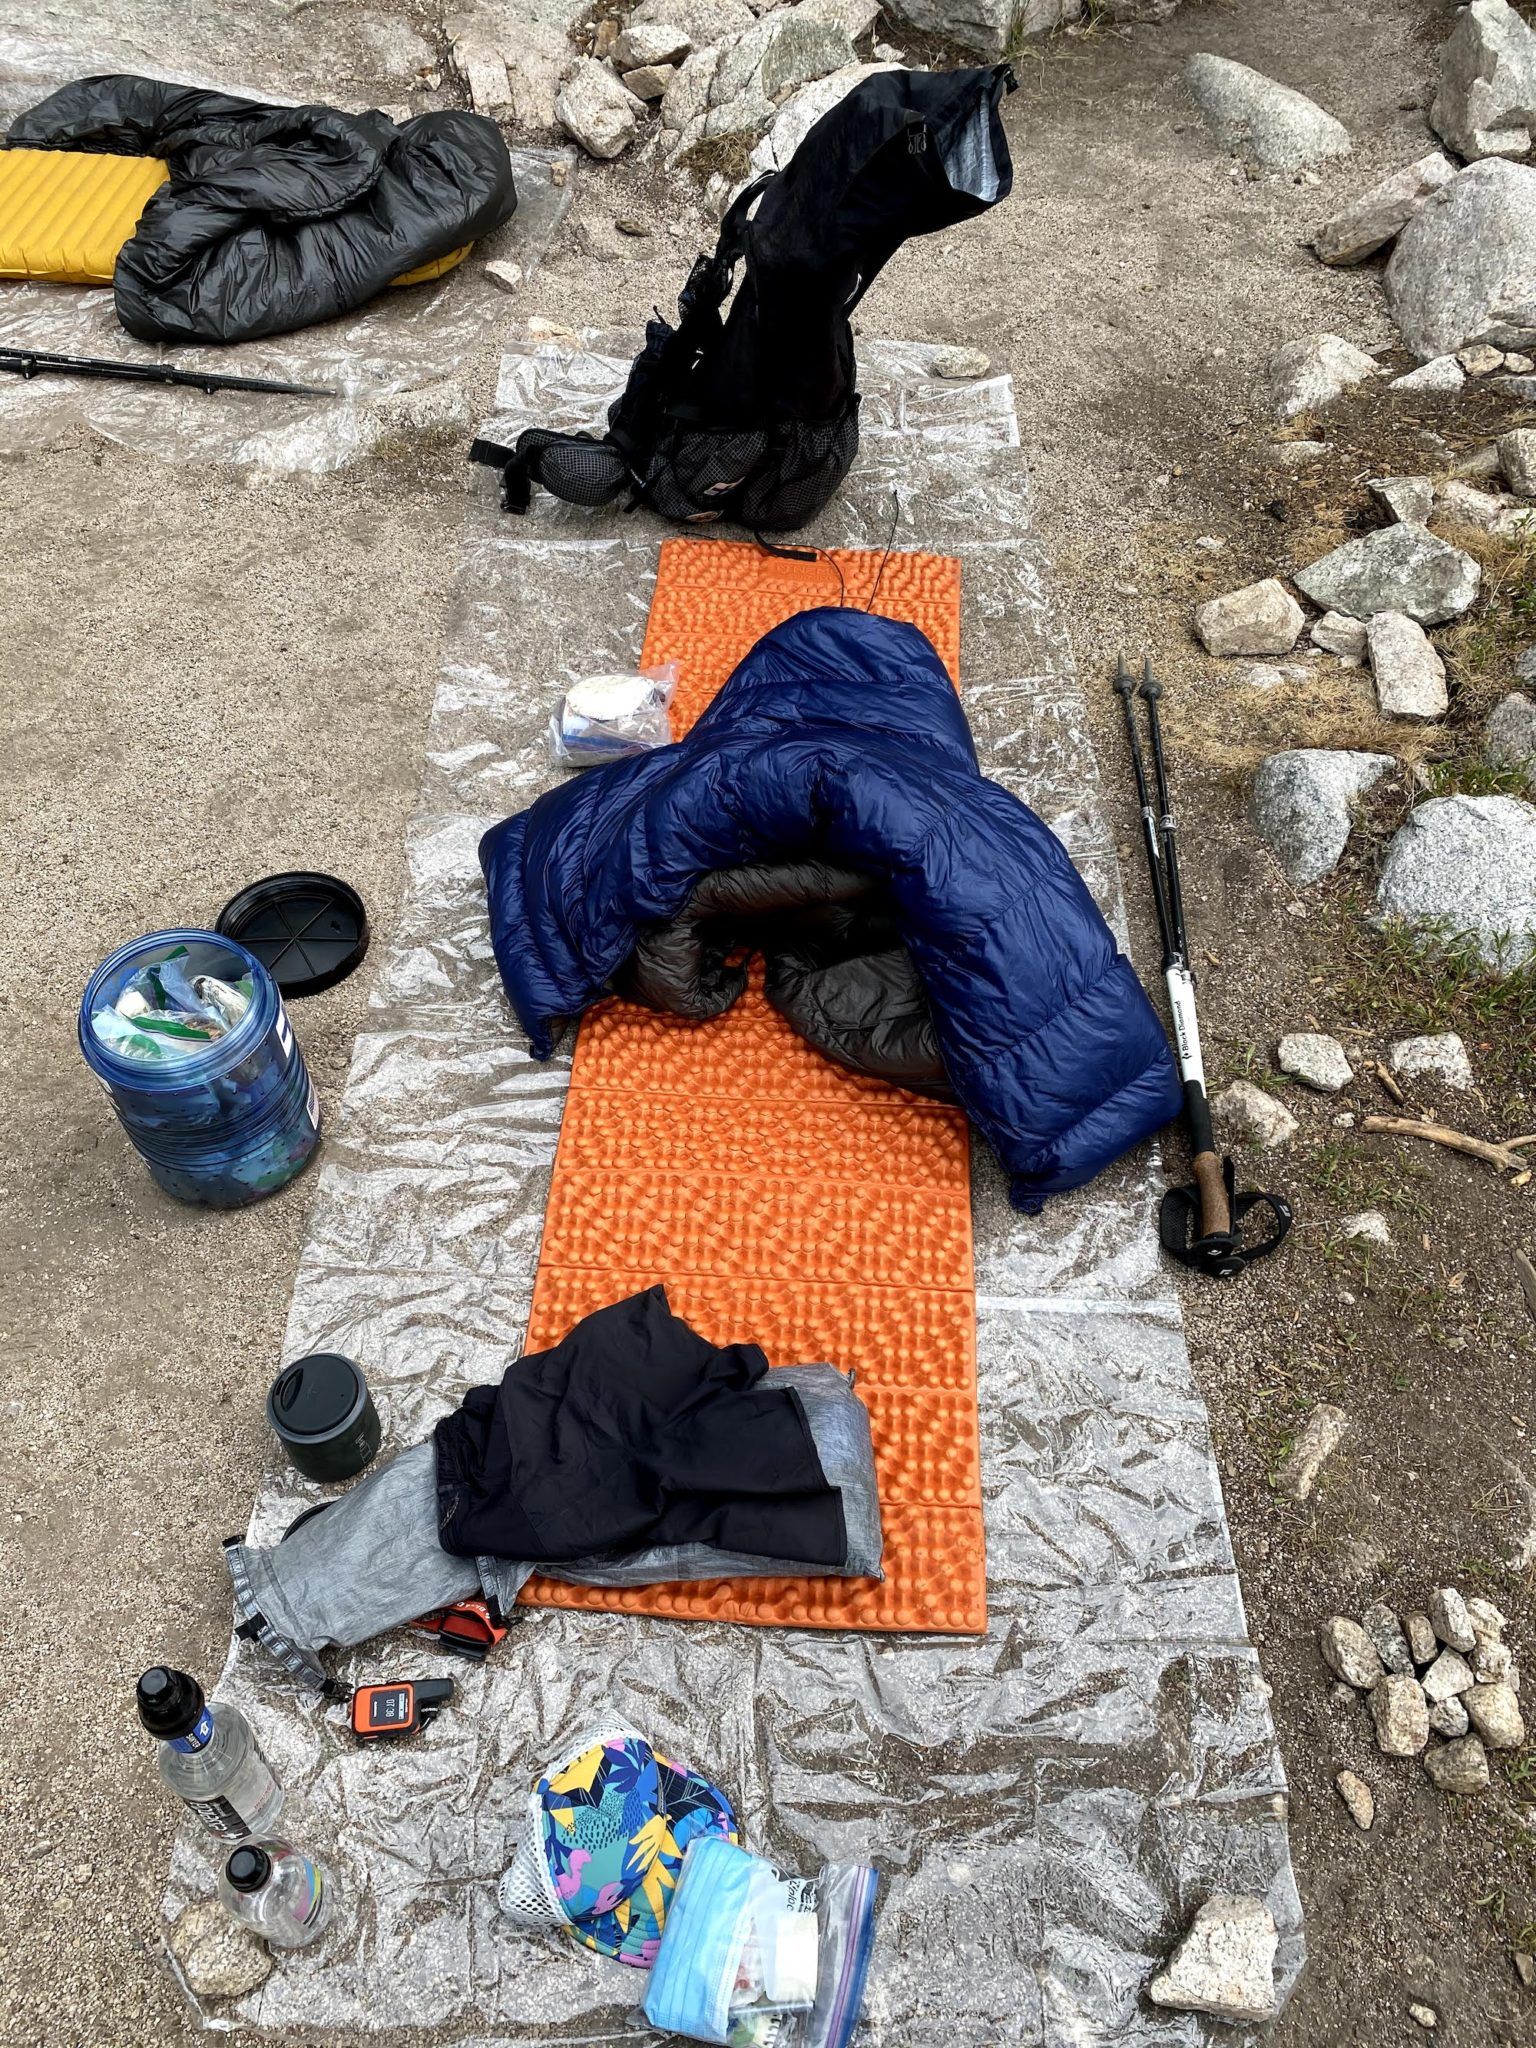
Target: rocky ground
(1137,285)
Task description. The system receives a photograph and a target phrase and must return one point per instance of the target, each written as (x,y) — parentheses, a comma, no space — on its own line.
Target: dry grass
(730,155)
(1230,726)
(1481,649)
(1231,732)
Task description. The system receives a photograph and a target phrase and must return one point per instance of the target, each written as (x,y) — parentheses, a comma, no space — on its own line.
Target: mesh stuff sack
(601,1840)
(751,412)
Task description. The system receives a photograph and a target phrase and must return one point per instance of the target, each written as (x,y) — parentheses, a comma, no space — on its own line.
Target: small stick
(1385,1077)
(1502,1156)
(1527,1274)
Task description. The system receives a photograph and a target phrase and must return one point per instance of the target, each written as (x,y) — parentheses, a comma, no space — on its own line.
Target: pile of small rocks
(681,72)
(1468,862)
(743,80)
(1461,282)
(1461,862)
(1446,1672)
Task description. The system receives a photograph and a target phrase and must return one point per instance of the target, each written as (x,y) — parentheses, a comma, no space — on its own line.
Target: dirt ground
(206,678)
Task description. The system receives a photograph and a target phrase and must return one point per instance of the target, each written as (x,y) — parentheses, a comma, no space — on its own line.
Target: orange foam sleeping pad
(781,1199)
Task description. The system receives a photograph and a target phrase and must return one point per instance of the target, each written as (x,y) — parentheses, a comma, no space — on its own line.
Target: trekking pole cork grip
(1210,1174)
(1211,1180)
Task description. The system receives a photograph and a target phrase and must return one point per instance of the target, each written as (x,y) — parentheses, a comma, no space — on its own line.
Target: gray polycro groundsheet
(1049,1804)
(392,363)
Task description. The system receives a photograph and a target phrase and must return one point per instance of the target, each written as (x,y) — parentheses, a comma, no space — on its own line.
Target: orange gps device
(382,1713)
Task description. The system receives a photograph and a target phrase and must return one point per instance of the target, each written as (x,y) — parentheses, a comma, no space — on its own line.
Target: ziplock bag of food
(754,1957)
(607,717)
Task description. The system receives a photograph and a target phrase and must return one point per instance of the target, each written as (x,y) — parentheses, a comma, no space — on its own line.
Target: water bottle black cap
(170,1702)
(248,1868)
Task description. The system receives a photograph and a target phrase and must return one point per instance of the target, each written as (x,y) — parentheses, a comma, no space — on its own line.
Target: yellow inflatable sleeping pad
(65,215)
(438,267)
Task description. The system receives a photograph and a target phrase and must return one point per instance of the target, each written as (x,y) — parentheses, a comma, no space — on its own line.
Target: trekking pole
(1125,689)
(32,362)
(1201,1225)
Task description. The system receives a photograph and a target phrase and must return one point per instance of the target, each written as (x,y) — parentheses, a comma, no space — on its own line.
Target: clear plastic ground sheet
(1049,1803)
(392,364)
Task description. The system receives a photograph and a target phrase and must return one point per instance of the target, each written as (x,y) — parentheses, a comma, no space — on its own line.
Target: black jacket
(275,217)
(633,1431)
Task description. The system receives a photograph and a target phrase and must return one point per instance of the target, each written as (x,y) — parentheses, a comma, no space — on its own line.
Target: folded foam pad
(65,215)
(781,1199)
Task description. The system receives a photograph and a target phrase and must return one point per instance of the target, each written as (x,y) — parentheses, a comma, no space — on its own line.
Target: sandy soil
(205,679)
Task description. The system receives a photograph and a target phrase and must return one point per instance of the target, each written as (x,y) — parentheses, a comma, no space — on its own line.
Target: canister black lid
(316,1397)
(309,931)
(170,1702)
(248,1867)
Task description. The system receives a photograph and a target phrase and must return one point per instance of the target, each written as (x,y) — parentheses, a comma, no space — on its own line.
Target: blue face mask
(730,1912)
(695,1969)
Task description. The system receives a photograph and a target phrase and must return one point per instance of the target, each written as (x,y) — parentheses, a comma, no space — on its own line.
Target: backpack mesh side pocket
(696,476)
(575,467)
(801,468)
(764,479)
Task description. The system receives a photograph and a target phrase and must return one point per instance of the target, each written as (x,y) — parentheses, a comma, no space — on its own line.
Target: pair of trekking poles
(1201,1225)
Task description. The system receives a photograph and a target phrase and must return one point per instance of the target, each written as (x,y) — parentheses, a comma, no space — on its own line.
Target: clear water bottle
(278,1892)
(208,1756)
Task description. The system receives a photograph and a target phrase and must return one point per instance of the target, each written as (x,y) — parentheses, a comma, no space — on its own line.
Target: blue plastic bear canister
(187,1033)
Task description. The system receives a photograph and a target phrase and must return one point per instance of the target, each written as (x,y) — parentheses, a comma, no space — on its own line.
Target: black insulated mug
(324,1416)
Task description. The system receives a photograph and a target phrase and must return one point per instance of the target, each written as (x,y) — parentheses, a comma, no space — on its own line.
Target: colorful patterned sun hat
(603,1840)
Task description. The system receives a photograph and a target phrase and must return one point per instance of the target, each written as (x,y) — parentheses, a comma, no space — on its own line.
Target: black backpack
(753,414)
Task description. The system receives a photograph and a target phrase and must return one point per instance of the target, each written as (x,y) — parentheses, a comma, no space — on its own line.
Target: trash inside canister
(187,1033)
(609,717)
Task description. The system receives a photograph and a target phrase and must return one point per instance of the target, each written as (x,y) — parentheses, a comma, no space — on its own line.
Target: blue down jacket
(840,739)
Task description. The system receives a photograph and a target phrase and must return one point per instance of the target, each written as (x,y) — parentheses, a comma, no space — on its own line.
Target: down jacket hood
(840,740)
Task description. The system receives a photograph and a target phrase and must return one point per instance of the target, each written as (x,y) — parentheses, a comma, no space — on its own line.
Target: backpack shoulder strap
(590,471)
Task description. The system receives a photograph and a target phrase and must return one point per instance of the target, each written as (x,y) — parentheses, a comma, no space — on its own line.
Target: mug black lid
(316,1396)
(308,930)
(248,1867)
